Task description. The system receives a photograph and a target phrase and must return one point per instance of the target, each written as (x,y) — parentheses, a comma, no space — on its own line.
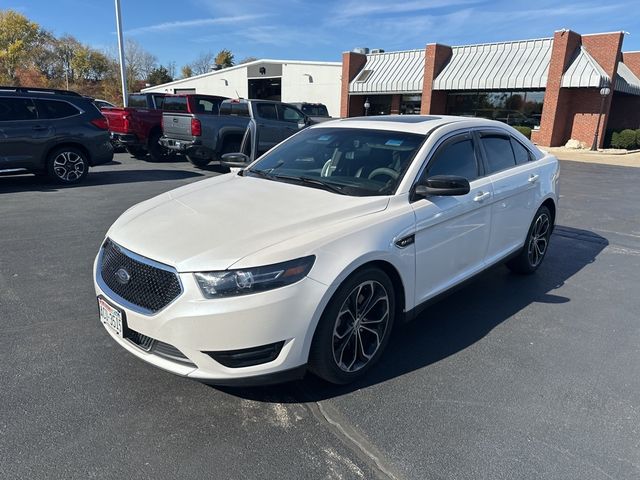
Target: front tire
(355,327)
(67,165)
(536,245)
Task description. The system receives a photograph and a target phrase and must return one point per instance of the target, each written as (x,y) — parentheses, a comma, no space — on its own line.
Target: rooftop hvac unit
(361,50)
(377,50)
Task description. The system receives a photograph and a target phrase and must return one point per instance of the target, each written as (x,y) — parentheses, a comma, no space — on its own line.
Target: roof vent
(215,67)
(377,50)
(361,50)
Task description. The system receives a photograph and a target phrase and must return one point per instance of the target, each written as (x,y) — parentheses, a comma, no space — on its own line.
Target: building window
(516,108)
(410,104)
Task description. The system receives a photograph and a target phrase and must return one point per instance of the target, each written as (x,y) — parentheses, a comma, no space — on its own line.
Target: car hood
(212,224)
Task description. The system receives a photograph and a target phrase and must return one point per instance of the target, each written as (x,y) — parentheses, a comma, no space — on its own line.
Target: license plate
(110,316)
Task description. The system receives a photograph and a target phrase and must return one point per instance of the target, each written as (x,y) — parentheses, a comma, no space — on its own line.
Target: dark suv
(57,132)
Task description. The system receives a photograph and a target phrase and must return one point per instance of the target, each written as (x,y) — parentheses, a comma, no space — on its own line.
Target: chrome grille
(147,286)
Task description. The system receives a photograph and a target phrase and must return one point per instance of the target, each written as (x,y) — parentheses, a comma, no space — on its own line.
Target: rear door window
(498,152)
(14,108)
(522,154)
(55,109)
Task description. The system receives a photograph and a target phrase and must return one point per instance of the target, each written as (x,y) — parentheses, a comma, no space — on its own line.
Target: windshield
(352,161)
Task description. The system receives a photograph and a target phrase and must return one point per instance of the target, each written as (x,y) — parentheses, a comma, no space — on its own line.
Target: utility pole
(123,76)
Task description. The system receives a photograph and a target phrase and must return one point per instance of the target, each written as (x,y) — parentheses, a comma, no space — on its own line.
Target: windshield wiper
(313,181)
(261,173)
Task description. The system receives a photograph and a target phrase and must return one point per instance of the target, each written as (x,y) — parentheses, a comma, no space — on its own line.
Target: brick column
(352,63)
(553,125)
(435,58)
(632,60)
(606,49)
(395,104)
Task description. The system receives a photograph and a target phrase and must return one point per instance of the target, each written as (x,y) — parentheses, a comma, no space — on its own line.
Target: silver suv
(54,132)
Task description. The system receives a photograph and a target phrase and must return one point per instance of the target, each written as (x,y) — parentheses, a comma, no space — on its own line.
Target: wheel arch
(57,146)
(551,205)
(391,270)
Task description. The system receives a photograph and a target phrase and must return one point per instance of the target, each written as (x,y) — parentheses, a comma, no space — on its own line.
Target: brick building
(550,84)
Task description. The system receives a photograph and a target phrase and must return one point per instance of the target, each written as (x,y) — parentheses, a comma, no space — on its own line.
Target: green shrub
(526,131)
(615,140)
(607,138)
(625,139)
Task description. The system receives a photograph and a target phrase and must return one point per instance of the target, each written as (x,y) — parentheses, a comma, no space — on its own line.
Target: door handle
(38,128)
(480,196)
(533,178)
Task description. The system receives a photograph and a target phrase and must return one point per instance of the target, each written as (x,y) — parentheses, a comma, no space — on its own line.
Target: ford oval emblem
(123,276)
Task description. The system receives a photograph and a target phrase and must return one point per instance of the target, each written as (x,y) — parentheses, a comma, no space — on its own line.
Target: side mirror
(443,185)
(235,160)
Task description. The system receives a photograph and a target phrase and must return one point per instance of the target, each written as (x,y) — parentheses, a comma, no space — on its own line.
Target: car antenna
(237,94)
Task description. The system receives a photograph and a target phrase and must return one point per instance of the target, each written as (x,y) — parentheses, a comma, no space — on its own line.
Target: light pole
(367,106)
(604,93)
(123,76)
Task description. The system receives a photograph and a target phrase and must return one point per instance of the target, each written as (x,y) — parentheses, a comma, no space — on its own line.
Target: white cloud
(201,22)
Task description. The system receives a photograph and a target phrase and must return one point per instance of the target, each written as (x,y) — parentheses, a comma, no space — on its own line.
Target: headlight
(229,283)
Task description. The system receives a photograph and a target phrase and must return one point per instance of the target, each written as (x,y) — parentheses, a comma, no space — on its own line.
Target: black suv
(57,132)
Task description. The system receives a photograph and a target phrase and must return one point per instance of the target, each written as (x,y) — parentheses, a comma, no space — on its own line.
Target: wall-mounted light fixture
(308,75)
(226,83)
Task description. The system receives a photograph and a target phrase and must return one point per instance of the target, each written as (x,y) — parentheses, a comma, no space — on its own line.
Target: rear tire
(139,153)
(536,245)
(354,328)
(67,165)
(157,152)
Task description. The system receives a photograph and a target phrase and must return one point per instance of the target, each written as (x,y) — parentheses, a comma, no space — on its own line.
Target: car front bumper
(197,326)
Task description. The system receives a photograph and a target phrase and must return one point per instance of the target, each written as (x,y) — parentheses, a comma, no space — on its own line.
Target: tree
(19,38)
(224,58)
(139,62)
(186,71)
(160,75)
(203,63)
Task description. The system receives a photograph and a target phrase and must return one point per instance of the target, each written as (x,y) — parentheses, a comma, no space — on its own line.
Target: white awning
(393,72)
(626,81)
(584,71)
(497,66)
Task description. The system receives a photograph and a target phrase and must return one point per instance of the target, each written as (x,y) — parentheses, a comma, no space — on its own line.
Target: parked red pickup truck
(138,126)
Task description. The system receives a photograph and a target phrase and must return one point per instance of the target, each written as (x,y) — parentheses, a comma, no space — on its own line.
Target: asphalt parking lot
(510,377)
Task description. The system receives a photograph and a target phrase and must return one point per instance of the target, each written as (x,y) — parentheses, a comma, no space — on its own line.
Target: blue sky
(179,30)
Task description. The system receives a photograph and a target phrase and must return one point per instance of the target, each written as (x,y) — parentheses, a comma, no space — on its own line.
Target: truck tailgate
(115,119)
(177,125)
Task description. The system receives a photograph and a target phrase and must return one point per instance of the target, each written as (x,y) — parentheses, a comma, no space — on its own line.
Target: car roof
(420,124)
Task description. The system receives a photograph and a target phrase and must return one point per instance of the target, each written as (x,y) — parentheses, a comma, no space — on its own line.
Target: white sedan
(308,257)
